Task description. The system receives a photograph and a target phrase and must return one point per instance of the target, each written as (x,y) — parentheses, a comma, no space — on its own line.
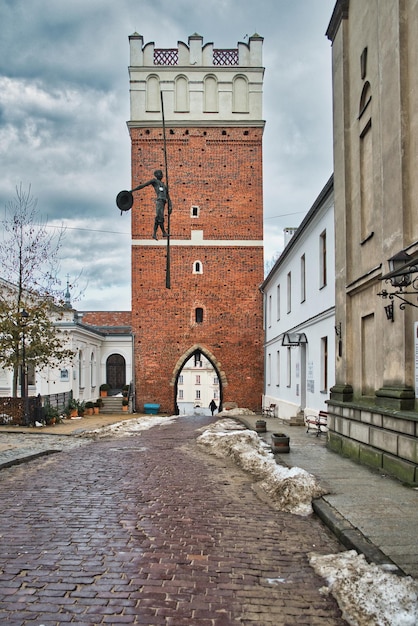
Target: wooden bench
(317,422)
(269,411)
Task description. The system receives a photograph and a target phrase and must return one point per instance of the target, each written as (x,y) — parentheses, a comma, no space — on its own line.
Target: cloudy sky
(64,103)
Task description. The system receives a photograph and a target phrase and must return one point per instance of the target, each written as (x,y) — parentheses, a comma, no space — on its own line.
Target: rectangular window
(323,259)
(289,292)
(268,370)
(289,367)
(324,363)
(278,302)
(278,368)
(216,380)
(269,312)
(302,278)
(180,394)
(197,394)
(197,379)
(181,379)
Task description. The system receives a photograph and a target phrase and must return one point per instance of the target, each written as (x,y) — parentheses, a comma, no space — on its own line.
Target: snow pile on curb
(289,490)
(128,427)
(367,594)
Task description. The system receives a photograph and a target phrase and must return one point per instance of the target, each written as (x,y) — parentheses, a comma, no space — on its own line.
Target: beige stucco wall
(385,178)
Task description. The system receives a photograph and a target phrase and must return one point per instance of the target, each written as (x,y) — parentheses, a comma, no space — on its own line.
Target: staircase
(111,404)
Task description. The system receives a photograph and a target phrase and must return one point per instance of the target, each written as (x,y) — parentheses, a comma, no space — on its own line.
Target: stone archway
(195,351)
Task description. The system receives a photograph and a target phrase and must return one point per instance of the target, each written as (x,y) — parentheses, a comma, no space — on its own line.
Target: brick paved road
(150,530)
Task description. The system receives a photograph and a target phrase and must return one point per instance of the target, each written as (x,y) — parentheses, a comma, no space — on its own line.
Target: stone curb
(351,537)
(346,533)
(25,458)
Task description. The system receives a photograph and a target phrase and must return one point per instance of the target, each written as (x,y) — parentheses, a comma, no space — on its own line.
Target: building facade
(212,101)
(372,410)
(102,346)
(197,387)
(299,299)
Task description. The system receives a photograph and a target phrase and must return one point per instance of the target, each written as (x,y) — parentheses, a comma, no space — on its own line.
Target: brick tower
(213,118)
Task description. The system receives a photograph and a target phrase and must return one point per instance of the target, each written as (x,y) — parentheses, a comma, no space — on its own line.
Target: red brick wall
(222,174)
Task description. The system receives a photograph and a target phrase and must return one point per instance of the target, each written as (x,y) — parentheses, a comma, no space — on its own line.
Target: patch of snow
(367,594)
(237,411)
(128,427)
(289,490)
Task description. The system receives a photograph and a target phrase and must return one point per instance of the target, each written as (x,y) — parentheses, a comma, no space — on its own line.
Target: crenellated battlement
(195,53)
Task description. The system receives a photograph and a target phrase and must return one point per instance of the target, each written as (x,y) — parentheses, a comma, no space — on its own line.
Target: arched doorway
(198,381)
(116,372)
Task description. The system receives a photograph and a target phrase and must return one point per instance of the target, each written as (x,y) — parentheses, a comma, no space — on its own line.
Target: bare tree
(30,294)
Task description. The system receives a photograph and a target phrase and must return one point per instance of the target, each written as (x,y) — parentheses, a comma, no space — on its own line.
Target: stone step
(111,405)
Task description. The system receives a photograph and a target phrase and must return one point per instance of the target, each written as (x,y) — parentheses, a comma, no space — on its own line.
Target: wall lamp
(401,267)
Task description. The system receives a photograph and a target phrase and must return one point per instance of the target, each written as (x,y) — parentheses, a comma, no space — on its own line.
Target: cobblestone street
(148,529)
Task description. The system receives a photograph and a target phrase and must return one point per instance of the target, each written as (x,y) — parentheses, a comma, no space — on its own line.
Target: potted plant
(81,407)
(96,407)
(280,442)
(125,403)
(51,415)
(89,408)
(71,409)
(125,391)
(99,403)
(104,388)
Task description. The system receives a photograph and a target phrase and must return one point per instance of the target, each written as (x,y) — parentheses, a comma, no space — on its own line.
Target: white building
(197,386)
(102,347)
(299,305)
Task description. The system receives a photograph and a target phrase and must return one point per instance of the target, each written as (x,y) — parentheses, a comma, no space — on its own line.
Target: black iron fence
(27,411)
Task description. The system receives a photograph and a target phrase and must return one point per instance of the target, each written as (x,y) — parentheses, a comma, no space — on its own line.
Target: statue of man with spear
(162,198)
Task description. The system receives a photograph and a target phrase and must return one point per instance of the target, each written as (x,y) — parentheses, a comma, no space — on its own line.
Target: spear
(167,268)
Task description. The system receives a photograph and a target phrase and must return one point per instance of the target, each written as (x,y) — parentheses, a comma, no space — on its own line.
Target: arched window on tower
(199,315)
(211,95)
(153,93)
(182,94)
(240,95)
(197,267)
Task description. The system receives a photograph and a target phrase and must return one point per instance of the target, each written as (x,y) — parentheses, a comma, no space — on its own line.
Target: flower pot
(260,426)
(124,407)
(103,394)
(279,443)
(96,410)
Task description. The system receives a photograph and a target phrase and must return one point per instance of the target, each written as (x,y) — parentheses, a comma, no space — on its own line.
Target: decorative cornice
(340,13)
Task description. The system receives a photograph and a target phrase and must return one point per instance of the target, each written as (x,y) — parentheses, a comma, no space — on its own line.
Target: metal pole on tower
(167,269)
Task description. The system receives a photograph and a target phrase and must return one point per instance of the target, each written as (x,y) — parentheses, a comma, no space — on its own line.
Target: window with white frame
(194,211)
(289,292)
(197,267)
(278,368)
(302,278)
(323,259)
(269,312)
(289,367)
(278,302)
(324,363)
(268,370)
(180,393)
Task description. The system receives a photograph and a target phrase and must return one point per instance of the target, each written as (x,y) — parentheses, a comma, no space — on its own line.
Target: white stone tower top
(201,84)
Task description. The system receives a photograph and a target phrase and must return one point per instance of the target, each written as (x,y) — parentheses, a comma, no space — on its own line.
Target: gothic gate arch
(194,350)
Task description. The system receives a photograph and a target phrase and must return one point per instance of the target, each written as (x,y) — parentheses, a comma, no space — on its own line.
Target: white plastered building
(299,316)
